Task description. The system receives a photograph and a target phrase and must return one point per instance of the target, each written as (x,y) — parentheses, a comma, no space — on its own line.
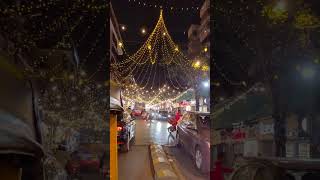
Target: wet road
(184,164)
(136,164)
(154,132)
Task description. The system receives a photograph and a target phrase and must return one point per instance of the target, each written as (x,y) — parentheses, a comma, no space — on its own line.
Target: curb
(161,165)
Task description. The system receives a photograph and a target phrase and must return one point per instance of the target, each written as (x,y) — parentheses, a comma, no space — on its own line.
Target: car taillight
(119,128)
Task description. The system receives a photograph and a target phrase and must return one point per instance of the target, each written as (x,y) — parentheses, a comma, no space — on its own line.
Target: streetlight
(123,28)
(308,72)
(206,84)
(143,31)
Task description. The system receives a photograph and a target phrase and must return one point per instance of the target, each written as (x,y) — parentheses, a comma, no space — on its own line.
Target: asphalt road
(136,164)
(184,164)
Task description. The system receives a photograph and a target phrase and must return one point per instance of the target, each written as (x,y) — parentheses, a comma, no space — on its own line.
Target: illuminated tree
(71,101)
(267,41)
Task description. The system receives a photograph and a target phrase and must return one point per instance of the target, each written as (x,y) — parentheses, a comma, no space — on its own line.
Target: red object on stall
(184,103)
(238,134)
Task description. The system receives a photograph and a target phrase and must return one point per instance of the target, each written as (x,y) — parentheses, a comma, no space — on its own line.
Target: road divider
(161,165)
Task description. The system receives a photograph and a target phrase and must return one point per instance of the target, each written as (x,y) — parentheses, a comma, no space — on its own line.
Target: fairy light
(143,31)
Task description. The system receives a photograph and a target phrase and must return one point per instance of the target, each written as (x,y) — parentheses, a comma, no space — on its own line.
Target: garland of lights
(171,8)
(25,9)
(159,48)
(51,52)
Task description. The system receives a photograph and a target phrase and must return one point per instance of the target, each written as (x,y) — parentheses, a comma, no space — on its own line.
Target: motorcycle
(173,126)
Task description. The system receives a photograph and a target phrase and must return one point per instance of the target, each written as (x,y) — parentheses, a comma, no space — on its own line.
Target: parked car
(164,115)
(82,160)
(136,112)
(193,134)
(126,131)
(270,168)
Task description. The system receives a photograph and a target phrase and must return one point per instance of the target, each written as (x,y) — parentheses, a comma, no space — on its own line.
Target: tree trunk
(279,119)
(197,97)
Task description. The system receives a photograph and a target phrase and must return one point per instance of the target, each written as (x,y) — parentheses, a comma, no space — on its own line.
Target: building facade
(116,42)
(204,29)
(194,44)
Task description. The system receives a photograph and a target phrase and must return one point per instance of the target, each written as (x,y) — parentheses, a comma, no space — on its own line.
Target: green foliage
(274,14)
(306,19)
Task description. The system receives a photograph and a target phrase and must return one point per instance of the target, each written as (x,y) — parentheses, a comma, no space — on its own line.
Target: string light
(158,49)
(123,27)
(146,4)
(143,31)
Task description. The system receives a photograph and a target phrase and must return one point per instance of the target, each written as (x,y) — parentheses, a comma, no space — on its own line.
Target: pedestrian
(178,116)
(219,170)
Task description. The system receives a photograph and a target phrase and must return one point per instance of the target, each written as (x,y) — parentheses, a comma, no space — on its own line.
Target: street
(136,164)
(184,163)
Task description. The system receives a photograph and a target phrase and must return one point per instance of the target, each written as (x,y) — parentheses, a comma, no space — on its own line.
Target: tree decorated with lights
(158,58)
(275,41)
(73,101)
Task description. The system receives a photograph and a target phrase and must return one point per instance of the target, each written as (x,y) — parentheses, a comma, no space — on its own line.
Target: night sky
(136,16)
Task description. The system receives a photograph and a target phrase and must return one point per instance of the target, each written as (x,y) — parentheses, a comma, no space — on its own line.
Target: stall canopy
(19,133)
(250,107)
(115,104)
(115,97)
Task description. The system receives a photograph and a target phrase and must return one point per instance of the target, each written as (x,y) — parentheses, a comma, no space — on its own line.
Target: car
(126,127)
(265,168)
(193,134)
(163,115)
(136,112)
(82,160)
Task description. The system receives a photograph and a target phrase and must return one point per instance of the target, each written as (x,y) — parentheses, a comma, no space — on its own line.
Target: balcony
(204,34)
(205,7)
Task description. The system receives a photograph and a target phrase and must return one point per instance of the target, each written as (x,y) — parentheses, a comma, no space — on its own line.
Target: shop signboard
(238,134)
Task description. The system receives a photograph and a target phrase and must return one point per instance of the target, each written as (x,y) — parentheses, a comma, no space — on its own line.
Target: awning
(253,106)
(115,105)
(188,96)
(17,137)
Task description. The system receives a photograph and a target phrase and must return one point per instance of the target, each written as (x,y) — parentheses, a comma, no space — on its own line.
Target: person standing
(219,170)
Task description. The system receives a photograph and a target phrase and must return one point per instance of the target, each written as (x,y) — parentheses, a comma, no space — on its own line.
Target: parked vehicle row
(193,134)
(126,131)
